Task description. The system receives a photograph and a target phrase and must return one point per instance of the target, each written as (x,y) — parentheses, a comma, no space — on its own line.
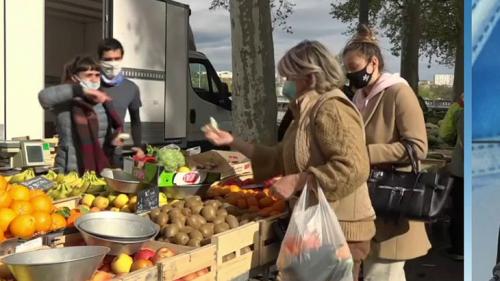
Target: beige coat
(391,116)
(326,139)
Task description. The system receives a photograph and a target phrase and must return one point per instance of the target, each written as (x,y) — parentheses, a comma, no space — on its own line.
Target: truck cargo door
(156,60)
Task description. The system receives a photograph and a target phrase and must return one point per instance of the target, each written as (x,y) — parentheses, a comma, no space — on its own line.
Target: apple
(141,263)
(145,254)
(122,264)
(162,253)
(102,276)
(190,277)
(202,272)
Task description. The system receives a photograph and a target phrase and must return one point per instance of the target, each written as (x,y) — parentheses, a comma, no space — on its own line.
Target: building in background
(443,80)
(226,77)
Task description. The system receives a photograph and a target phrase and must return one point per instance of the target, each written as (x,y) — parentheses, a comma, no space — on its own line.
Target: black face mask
(360,79)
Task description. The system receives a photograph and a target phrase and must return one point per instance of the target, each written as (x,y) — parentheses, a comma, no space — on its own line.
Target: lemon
(184,169)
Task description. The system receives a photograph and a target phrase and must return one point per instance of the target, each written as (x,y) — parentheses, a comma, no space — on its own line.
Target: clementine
(58,222)
(23,226)
(41,203)
(19,192)
(21,207)
(5,199)
(3,183)
(36,192)
(6,217)
(43,221)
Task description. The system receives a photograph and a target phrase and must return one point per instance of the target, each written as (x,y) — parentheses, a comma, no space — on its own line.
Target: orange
(36,192)
(252,201)
(43,222)
(266,212)
(6,217)
(234,188)
(242,204)
(5,199)
(19,192)
(41,203)
(3,183)
(23,226)
(21,207)
(266,202)
(58,222)
(279,206)
(2,236)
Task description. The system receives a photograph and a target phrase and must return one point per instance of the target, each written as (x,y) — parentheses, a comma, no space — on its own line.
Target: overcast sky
(310,20)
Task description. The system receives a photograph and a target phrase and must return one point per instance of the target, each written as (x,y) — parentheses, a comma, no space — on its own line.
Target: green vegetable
(171,158)
(65,212)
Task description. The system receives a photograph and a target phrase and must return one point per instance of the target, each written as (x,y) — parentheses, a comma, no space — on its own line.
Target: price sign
(38,183)
(148,199)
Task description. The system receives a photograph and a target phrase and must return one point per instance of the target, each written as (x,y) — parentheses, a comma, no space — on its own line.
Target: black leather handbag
(413,195)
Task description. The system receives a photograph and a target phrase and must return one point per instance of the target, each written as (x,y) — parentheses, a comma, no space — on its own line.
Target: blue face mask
(289,90)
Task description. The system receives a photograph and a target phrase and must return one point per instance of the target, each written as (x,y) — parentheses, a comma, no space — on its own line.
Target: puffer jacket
(58,100)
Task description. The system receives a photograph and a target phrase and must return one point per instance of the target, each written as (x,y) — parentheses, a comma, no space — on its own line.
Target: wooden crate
(191,260)
(188,260)
(232,242)
(269,246)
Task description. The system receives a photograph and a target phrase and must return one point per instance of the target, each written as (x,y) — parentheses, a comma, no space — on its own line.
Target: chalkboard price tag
(38,183)
(148,199)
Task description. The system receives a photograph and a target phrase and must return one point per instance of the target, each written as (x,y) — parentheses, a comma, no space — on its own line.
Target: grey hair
(312,58)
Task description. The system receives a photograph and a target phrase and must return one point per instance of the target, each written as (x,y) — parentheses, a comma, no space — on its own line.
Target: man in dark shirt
(124,93)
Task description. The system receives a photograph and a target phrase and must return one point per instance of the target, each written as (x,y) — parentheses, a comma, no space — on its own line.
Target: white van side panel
(25,67)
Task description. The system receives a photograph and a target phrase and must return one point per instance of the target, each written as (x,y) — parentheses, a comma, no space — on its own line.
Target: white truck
(179,87)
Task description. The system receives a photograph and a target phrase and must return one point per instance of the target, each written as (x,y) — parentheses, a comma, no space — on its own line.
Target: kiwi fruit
(166,208)
(196,234)
(179,205)
(187,229)
(200,219)
(208,212)
(153,215)
(196,209)
(245,221)
(206,230)
(219,219)
(181,238)
(170,230)
(162,219)
(174,212)
(214,203)
(187,212)
(221,227)
(193,222)
(232,221)
(221,212)
(194,242)
(179,221)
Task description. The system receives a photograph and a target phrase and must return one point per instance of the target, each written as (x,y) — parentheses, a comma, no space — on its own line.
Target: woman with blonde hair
(391,115)
(325,143)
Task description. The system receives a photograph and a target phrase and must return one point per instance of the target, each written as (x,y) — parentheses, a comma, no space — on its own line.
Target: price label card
(30,245)
(148,199)
(38,183)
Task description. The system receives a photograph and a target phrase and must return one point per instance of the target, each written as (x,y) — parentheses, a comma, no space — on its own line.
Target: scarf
(385,81)
(90,154)
(115,81)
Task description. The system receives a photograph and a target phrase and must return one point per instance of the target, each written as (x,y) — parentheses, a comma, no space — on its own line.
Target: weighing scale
(23,154)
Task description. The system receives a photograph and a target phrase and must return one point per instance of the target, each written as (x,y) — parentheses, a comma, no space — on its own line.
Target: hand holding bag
(414,195)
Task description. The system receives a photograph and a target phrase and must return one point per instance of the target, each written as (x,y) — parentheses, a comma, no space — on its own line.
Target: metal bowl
(117,226)
(121,181)
(117,246)
(59,264)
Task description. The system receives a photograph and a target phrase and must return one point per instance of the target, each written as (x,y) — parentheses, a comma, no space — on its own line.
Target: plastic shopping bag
(314,248)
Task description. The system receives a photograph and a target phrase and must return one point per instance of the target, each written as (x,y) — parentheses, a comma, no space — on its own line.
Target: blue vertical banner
(482,140)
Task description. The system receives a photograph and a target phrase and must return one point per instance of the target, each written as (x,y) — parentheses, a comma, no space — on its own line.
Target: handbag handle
(410,151)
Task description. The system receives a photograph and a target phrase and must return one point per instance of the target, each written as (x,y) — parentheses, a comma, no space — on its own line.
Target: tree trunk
(363,12)
(458,80)
(410,42)
(254,96)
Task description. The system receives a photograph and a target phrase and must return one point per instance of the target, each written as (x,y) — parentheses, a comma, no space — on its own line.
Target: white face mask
(111,68)
(87,84)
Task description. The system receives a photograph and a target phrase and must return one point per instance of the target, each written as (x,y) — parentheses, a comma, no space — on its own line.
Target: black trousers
(457,216)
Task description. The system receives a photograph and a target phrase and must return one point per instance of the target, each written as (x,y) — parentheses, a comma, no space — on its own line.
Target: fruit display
(25,213)
(23,176)
(123,263)
(71,185)
(259,201)
(193,222)
(113,201)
